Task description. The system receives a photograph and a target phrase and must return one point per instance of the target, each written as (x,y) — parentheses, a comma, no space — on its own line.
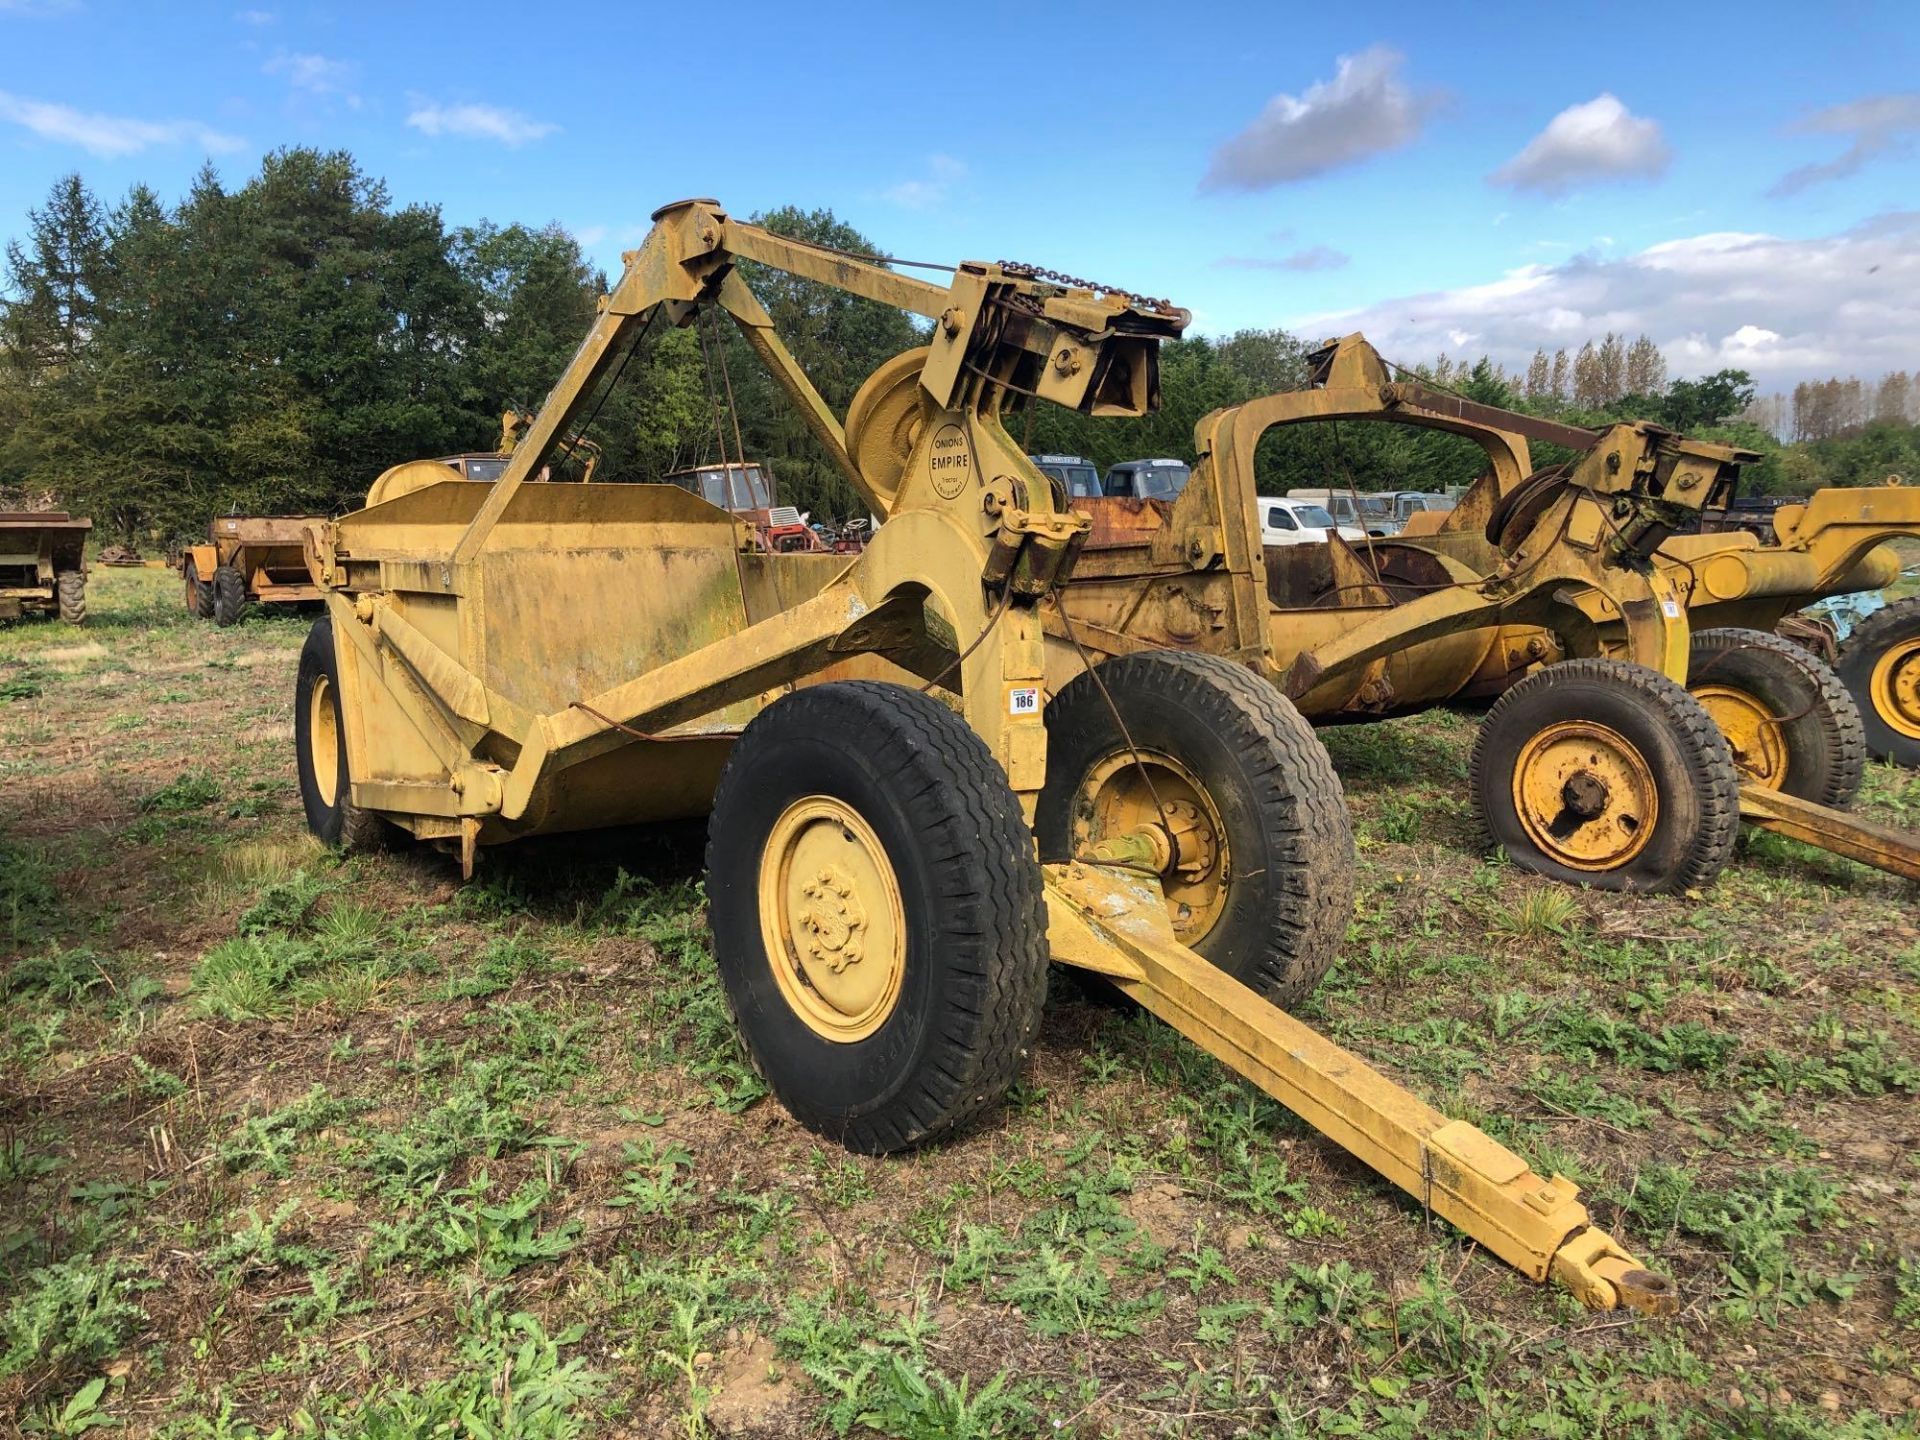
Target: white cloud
(1313,257)
(931,189)
(589,235)
(478,122)
(254,17)
(309,72)
(1600,140)
(108,135)
(1877,125)
(1784,309)
(314,75)
(1364,110)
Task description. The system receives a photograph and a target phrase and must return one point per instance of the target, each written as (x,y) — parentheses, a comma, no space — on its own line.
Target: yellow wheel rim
(1585,795)
(1116,800)
(1895,688)
(832,919)
(1753,731)
(323,739)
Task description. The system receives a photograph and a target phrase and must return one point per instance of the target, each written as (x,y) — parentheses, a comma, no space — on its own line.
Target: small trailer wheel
(1791,724)
(320,746)
(1256,844)
(1880,666)
(229,595)
(1605,773)
(70,587)
(877,913)
(197,592)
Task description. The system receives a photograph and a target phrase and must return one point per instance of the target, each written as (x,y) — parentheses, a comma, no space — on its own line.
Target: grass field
(291,1145)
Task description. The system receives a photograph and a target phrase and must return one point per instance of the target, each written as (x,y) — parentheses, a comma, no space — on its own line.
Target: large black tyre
(197,593)
(1880,666)
(1791,724)
(1605,773)
(70,589)
(1235,761)
(319,740)
(951,913)
(229,595)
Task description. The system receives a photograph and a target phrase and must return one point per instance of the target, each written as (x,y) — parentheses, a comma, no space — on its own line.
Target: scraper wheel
(320,751)
(1604,773)
(229,596)
(1880,664)
(199,594)
(1259,872)
(877,913)
(1790,722)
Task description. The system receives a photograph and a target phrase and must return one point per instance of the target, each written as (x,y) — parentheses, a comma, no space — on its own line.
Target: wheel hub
(1753,732)
(832,918)
(834,921)
(1895,687)
(1167,801)
(1585,795)
(323,739)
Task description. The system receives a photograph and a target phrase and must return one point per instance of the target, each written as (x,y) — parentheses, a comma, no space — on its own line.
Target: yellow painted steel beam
(1115,923)
(1858,838)
(842,272)
(756,326)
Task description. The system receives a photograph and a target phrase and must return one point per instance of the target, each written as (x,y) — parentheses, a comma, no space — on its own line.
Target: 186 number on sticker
(1023,700)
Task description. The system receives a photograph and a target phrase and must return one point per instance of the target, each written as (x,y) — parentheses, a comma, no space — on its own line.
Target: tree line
(271,347)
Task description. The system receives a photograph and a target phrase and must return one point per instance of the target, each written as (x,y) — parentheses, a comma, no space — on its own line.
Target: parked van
(1077,475)
(1370,514)
(1300,522)
(1149,479)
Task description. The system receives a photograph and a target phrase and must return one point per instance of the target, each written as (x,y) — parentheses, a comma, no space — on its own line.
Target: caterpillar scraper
(43,567)
(1568,591)
(502,660)
(247,559)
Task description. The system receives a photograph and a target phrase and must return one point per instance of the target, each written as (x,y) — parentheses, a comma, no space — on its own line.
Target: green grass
(294,1145)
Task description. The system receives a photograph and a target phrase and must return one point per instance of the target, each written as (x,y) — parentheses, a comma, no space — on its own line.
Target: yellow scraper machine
(1645,707)
(867,736)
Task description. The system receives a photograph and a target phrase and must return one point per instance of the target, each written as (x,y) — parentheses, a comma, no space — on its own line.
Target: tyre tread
(1858,654)
(70,590)
(1838,715)
(993,922)
(229,595)
(1717,781)
(1309,830)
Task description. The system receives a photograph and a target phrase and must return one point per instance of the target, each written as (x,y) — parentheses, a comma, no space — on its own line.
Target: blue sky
(1484,178)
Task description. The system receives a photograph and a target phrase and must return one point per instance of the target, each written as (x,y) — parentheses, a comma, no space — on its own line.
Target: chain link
(1074,282)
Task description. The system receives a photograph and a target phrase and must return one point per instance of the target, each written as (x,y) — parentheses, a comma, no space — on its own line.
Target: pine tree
(1560,385)
(55,278)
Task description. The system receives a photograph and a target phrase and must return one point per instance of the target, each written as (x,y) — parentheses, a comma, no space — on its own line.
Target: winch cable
(621,369)
(1353,492)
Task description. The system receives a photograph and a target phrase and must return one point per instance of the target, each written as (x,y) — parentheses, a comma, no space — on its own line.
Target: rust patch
(1120,520)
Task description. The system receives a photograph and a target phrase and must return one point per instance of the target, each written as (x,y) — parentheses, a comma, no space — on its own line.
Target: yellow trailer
(247,559)
(43,567)
(868,736)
